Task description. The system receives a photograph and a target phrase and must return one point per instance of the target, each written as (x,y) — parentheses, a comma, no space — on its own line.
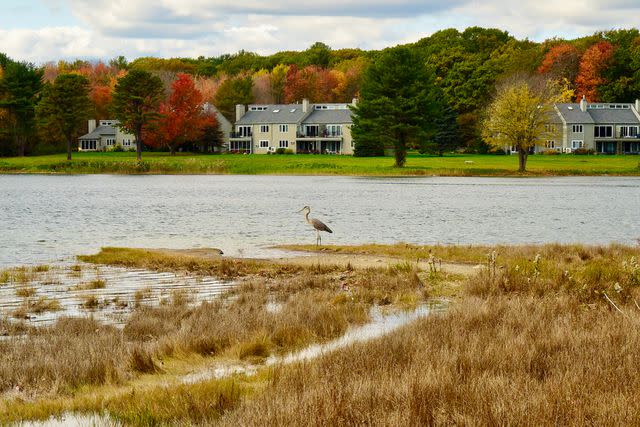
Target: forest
(466,64)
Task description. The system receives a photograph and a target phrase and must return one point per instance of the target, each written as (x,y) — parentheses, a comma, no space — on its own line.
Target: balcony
(240,136)
(320,132)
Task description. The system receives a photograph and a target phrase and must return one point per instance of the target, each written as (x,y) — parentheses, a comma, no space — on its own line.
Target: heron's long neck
(306,215)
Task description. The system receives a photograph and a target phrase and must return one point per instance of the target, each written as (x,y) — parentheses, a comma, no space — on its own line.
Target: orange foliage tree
(594,61)
(182,118)
(561,62)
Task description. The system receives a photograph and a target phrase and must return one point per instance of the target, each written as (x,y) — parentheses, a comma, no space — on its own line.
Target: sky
(49,30)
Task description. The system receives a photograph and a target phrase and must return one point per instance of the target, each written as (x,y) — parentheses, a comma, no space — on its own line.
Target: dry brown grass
(503,361)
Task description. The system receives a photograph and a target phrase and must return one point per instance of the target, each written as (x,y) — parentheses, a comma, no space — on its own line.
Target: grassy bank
(539,335)
(417,165)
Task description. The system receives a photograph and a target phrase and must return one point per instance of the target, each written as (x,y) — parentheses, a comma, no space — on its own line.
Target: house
(106,136)
(224,125)
(607,128)
(302,128)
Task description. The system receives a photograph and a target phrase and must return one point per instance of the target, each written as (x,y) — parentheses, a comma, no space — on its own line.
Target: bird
(316,224)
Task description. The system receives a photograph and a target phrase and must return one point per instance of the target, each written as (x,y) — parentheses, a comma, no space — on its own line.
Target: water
(115,301)
(52,218)
(381,323)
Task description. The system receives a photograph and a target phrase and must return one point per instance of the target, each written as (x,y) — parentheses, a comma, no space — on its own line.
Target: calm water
(52,218)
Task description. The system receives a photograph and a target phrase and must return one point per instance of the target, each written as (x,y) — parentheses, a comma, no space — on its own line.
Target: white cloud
(167,28)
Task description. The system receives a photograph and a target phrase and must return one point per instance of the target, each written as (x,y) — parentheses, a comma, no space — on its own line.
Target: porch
(624,146)
(319,146)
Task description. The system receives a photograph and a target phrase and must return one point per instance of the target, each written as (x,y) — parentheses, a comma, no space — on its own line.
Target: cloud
(169,28)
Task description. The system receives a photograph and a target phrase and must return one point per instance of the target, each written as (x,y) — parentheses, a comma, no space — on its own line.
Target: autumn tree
(233,91)
(592,64)
(136,101)
(20,89)
(318,54)
(262,88)
(278,80)
(397,105)
(561,62)
(182,118)
(65,107)
(518,114)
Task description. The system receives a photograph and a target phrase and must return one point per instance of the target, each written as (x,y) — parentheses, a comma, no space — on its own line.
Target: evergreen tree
(136,100)
(447,137)
(64,108)
(20,88)
(397,106)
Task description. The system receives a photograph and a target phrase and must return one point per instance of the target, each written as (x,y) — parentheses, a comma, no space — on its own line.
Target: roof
(613,116)
(601,115)
(329,117)
(274,114)
(571,113)
(100,131)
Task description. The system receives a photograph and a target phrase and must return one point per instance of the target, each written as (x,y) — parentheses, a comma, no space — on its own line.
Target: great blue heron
(316,224)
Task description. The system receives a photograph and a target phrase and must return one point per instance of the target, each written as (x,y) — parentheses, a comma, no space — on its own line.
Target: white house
(106,136)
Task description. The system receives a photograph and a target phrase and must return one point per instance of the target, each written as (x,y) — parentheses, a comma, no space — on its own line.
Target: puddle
(123,289)
(69,419)
(382,322)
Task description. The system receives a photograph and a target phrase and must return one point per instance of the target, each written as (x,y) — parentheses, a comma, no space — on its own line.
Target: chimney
(239,111)
(92,125)
(583,104)
(305,105)
(354,101)
(638,105)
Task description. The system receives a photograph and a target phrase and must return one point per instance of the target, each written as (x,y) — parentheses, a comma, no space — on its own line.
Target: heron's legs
(318,238)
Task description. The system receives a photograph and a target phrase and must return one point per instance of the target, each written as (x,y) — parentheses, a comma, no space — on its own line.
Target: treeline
(466,64)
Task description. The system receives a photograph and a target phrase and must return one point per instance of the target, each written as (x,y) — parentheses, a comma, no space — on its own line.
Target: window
(264,128)
(550,128)
(603,131)
(264,143)
(284,144)
(243,131)
(283,128)
(257,108)
(550,144)
(629,131)
(577,143)
(334,130)
(577,129)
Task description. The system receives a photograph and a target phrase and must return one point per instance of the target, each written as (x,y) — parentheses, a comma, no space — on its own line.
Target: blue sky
(48,30)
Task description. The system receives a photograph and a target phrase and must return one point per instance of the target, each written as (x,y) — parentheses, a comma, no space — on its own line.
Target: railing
(321,134)
(239,135)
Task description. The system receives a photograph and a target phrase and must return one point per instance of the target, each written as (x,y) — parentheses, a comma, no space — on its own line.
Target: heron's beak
(300,210)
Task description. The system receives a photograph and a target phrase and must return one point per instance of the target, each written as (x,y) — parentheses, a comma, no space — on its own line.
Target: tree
(65,107)
(447,135)
(592,64)
(233,91)
(397,105)
(561,62)
(278,79)
(182,118)
(519,115)
(19,91)
(136,99)
(318,54)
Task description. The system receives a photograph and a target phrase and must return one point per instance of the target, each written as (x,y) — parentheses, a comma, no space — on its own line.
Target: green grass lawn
(302,164)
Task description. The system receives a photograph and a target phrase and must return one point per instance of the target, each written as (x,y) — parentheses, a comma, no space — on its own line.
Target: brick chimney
(305,105)
(638,105)
(240,110)
(583,104)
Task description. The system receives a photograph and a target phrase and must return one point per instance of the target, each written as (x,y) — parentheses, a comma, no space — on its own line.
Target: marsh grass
(36,306)
(25,291)
(94,284)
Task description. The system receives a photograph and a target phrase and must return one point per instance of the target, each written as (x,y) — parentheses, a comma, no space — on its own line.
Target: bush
(550,152)
(280,150)
(288,151)
(583,151)
(499,152)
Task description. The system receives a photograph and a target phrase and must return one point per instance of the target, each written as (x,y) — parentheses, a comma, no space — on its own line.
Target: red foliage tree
(182,117)
(561,62)
(302,83)
(594,61)
(101,97)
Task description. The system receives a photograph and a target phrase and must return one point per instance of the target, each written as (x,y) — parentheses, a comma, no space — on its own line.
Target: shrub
(551,152)
(280,150)
(288,151)
(499,152)
(583,151)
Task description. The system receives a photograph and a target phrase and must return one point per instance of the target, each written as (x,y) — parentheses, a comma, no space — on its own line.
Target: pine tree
(397,106)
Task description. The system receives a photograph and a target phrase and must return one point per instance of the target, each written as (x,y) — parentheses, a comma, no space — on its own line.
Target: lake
(53,218)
